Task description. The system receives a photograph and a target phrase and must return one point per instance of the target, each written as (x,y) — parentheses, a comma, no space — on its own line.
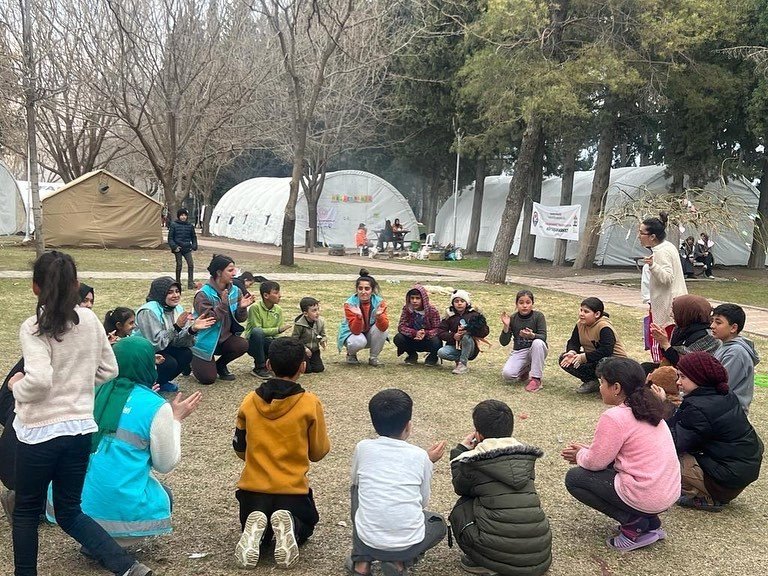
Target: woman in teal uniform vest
(138,432)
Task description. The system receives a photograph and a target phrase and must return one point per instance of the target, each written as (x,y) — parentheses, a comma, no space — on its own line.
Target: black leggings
(596,490)
(176,361)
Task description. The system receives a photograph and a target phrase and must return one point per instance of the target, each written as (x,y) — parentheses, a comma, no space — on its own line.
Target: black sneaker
(412,358)
(469,566)
(225,374)
(431,360)
(588,387)
(262,373)
(187,371)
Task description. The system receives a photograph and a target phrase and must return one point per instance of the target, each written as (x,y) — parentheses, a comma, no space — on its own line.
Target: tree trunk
(566,197)
(429,196)
(30,100)
(477,206)
(208,199)
(289,218)
(518,186)
(590,234)
(760,231)
(528,240)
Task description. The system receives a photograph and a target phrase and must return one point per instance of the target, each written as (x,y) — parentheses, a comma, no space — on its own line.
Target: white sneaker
(286,548)
(247,549)
(460,369)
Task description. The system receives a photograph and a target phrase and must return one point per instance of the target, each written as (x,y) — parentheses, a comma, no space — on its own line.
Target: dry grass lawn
(205,516)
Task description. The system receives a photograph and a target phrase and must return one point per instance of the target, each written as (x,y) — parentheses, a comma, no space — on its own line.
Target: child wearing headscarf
(720,452)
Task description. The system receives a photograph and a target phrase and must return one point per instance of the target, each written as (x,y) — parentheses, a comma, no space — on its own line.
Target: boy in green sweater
(265,323)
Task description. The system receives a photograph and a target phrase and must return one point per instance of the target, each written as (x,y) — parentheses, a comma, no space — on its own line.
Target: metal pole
(459,134)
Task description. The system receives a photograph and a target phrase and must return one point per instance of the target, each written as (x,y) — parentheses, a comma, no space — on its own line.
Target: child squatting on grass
(737,354)
(309,329)
(593,339)
(630,471)
(461,328)
(498,522)
(418,326)
(280,429)
(528,328)
(720,452)
(390,491)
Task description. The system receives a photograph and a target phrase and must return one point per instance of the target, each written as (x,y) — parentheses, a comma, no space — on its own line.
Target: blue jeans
(463,355)
(258,346)
(62,461)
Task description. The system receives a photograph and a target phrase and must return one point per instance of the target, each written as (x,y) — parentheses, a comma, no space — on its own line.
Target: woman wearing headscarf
(720,452)
(138,432)
(171,330)
(691,332)
(86,295)
(222,300)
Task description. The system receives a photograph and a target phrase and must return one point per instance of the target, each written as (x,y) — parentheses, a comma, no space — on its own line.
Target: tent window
(217,219)
(231,219)
(245,219)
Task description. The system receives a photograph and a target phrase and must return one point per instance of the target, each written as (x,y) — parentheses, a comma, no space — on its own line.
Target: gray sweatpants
(373,339)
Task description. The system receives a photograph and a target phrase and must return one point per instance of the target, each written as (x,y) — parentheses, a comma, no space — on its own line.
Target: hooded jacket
(713,428)
(739,358)
(156,321)
(309,336)
(411,321)
(279,429)
(498,521)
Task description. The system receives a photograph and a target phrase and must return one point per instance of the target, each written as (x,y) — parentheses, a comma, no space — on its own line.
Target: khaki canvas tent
(11,204)
(99,209)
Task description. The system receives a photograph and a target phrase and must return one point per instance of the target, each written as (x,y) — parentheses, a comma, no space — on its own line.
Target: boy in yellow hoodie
(280,429)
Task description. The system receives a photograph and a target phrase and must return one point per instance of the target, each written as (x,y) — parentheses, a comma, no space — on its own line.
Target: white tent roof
(618,244)
(46,189)
(253,210)
(11,204)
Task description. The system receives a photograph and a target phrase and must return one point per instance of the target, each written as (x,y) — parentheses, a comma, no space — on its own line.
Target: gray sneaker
(8,500)
(460,369)
(374,362)
(352,359)
(286,548)
(588,387)
(138,569)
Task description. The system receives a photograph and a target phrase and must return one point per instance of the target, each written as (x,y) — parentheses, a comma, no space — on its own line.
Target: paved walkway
(582,286)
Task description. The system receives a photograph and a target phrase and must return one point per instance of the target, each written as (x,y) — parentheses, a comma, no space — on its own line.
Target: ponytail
(55,275)
(646,407)
(119,315)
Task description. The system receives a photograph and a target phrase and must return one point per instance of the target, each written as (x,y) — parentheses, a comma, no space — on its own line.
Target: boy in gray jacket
(309,328)
(737,354)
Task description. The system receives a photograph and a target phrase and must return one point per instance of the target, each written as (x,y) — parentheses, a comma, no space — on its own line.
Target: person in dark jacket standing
(498,522)
(720,452)
(417,329)
(183,241)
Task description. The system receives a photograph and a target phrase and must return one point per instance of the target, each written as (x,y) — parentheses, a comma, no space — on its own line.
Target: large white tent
(253,210)
(11,204)
(618,245)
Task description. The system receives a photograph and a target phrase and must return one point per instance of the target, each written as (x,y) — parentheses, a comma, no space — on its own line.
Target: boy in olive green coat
(505,531)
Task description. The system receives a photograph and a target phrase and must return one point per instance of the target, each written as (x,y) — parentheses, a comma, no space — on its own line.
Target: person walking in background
(182,241)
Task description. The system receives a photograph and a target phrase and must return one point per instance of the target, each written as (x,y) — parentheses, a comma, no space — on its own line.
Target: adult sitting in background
(86,296)
(690,334)
(386,236)
(222,300)
(398,235)
(688,257)
(703,254)
(170,329)
(138,432)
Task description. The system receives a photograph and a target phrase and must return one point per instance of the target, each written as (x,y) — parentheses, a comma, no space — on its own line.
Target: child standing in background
(528,328)
(309,329)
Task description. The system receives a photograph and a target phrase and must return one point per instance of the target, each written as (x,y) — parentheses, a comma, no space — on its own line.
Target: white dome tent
(253,210)
(11,204)
(618,245)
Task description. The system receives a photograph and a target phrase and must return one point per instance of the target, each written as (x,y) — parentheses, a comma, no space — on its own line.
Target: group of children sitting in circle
(87,404)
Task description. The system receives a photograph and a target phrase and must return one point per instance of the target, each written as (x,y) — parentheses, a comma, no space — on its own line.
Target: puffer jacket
(498,521)
(713,428)
(477,327)
(182,235)
(411,322)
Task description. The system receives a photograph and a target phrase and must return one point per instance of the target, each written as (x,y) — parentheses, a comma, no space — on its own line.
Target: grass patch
(205,513)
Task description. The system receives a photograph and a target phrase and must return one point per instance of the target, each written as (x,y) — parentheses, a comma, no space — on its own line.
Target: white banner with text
(555,221)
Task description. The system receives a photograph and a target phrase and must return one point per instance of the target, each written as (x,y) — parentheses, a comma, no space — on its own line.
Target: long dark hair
(119,315)
(639,397)
(657,226)
(55,275)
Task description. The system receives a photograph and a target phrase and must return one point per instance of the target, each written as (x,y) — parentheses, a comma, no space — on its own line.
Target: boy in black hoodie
(183,241)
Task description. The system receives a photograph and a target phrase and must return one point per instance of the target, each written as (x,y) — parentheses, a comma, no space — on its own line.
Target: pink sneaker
(534,385)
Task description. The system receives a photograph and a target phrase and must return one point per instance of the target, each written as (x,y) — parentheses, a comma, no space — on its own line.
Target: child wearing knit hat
(720,452)
(461,328)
